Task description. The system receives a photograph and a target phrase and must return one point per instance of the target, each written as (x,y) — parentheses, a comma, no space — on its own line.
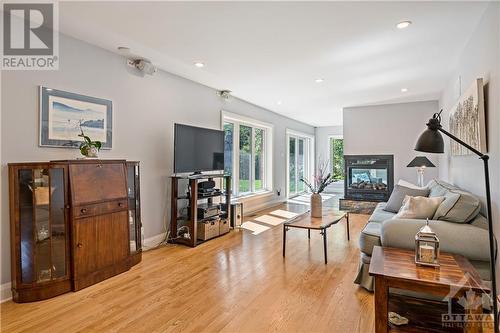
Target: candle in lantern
(427,253)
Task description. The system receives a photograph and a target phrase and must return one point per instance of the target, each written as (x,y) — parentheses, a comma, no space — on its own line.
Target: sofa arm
(470,241)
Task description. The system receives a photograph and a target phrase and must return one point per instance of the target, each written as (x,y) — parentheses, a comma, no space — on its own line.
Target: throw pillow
(398,194)
(418,207)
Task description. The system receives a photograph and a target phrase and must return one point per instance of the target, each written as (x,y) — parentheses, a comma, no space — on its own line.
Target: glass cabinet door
(42,224)
(134,209)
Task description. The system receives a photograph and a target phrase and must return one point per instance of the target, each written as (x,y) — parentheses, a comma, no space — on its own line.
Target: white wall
(480,58)
(145,109)
(323,135)
(389,129)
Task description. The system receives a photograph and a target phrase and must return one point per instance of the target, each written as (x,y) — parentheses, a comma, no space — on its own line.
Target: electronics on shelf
(205,211)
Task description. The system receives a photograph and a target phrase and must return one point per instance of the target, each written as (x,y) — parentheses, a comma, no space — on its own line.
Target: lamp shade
(430,141)
(421,161)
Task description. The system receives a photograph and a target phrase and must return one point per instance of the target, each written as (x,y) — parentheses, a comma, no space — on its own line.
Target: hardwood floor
(236,283)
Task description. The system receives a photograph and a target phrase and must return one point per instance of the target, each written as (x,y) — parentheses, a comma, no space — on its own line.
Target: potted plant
(321,179)
(89,148)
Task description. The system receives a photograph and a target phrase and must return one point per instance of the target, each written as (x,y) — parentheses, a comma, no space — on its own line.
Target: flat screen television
(198,149)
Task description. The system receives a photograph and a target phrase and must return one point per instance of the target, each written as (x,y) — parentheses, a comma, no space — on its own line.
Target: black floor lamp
(431,141)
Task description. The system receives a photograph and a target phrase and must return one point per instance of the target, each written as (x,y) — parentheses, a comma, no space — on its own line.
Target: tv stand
(186,200)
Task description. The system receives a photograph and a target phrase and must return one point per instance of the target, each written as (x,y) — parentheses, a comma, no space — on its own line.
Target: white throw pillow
(418,207)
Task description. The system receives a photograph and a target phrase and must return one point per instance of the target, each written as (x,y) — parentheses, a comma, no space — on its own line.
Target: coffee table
(306,221)
(396,268)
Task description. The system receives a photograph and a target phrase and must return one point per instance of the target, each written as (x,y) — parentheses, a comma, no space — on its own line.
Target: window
(337,157)
(247,154)
(300,148)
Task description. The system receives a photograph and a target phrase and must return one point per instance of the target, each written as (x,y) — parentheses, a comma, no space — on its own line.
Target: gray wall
(389,129)
(480,58)
(145,109)
(323,142)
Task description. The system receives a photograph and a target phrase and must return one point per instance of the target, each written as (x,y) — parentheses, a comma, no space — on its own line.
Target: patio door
(299,163)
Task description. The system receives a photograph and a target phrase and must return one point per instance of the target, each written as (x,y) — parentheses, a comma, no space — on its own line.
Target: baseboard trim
(152,242)
(262,206)
(5,292)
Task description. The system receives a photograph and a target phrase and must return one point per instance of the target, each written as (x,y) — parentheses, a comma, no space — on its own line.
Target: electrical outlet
(278,191)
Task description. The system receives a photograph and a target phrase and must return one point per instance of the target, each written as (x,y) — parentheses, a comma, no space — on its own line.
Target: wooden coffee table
(306,221)
(396,268)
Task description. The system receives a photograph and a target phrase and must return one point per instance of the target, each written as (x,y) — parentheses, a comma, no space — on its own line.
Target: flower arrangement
(89,148)
(321,178)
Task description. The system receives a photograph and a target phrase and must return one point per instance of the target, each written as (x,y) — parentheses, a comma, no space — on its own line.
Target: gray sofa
(460,227)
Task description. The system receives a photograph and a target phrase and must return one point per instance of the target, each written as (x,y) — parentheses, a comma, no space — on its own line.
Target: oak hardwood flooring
(236,283)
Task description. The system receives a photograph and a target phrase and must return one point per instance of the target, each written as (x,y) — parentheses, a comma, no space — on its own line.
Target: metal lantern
(426,247)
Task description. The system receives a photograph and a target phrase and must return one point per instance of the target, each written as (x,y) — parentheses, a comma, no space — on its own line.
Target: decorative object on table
(397,319)
(468,120)
(426,247)
(89,148)
(321,179)
(64,114)
(431,141)
(420,162)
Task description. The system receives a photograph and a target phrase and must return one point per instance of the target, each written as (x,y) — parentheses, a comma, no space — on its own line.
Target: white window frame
(309,152)
(238,120)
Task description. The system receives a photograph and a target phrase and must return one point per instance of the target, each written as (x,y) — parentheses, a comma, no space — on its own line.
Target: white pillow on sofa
(418,207)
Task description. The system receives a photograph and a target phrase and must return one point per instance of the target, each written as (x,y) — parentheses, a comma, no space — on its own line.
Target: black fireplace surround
(368,177)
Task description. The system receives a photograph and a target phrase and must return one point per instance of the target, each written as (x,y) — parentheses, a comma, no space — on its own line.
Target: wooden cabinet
(73,224)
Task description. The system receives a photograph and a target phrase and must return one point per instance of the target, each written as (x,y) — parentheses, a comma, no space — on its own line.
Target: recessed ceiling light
(319,80)
(199,64)
(123,48)
(403,24)
(279,102)
(404,89)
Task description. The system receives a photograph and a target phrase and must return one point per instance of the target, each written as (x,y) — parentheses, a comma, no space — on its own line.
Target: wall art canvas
(468,120)
(63,115)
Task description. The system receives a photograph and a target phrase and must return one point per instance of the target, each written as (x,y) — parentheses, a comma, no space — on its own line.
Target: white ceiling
(267,52)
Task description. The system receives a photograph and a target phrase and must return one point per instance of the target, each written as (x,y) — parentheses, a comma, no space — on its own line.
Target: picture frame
(468,120)
(64,114)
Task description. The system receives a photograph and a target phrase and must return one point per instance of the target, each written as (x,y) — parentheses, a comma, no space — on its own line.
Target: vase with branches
(320,181)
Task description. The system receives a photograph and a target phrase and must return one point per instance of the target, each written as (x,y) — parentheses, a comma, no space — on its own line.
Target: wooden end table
(306,221)
(396,268)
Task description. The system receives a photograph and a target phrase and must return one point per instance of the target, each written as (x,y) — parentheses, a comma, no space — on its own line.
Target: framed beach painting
(63,115)
(468,120)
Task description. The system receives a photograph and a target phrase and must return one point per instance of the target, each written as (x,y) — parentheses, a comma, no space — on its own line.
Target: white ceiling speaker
(144,65)
(224,94)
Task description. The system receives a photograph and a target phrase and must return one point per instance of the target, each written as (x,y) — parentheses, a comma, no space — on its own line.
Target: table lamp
(420,162)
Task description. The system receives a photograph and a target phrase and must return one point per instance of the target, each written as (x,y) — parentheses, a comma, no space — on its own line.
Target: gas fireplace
(368,177)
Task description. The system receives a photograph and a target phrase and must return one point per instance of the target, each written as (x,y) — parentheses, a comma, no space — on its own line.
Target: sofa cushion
(398,194)
(380,215)
(369,237)
(459,206)
(418,207)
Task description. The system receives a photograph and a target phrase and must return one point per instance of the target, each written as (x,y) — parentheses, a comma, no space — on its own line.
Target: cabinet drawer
(100,208)
(92,182)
